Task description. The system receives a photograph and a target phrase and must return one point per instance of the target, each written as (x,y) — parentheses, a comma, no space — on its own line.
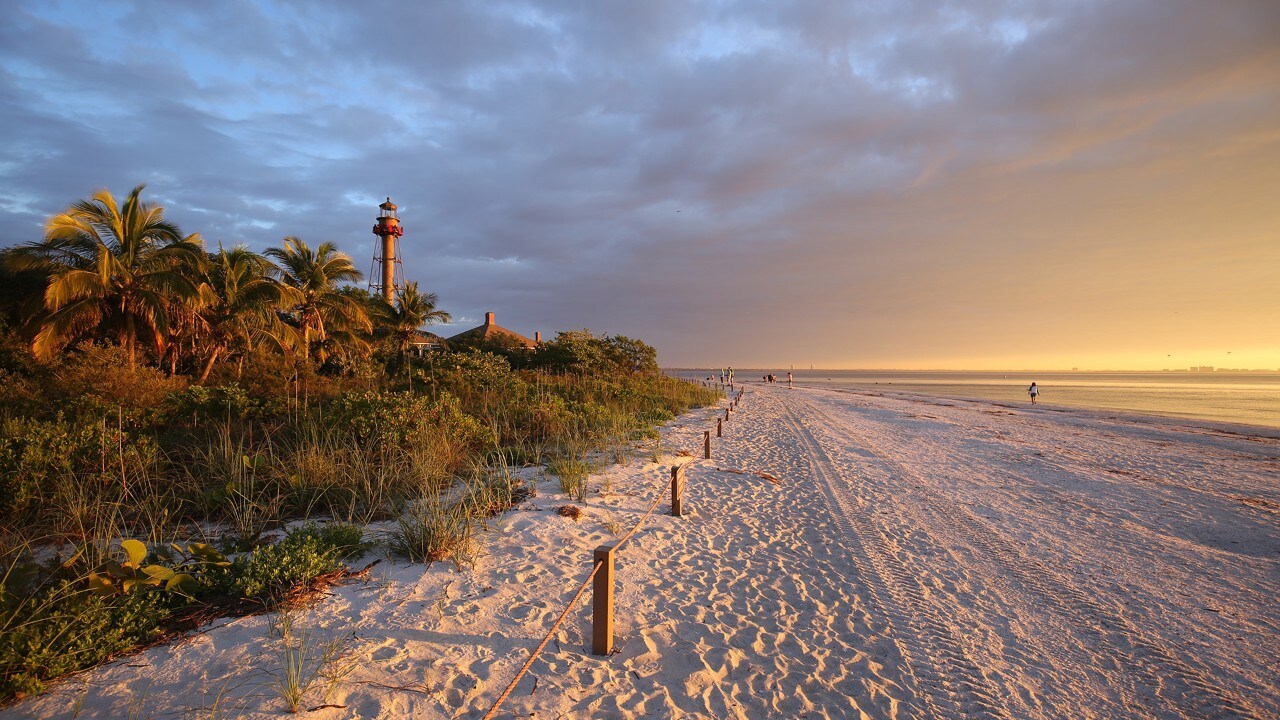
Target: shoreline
(1237,405)
(1085,413)
(1003,552)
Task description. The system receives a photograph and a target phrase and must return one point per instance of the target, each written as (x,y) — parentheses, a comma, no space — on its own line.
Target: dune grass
(177,469)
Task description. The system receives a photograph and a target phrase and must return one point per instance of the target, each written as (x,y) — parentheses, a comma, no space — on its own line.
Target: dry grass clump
(433,529)
(572,470)
(570,511)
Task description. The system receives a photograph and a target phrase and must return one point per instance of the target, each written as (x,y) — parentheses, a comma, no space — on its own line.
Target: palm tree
(412,311)
(239,300)
(112,268)
(321,311)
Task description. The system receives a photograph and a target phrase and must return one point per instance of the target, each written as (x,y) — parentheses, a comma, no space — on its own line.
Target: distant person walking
(1033,391)
(788,379)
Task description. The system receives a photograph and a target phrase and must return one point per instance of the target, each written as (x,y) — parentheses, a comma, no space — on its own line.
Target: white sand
(922,558)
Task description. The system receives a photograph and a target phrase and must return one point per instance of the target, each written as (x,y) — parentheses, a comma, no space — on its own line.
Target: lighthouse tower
(388,271)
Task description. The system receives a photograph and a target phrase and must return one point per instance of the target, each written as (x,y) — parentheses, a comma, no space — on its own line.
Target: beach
(845,553)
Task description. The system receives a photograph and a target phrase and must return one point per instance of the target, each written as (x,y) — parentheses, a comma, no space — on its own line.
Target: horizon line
(1169,371)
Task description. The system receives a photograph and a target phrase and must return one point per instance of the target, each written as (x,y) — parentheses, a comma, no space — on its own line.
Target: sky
(897,184)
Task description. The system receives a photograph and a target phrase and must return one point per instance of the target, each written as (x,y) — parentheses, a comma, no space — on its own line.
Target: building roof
(490,331)
(429,340)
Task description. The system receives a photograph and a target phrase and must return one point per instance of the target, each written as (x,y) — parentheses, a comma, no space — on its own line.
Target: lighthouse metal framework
(387,272)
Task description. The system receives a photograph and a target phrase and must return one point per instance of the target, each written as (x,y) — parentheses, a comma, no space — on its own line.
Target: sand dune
(847,555)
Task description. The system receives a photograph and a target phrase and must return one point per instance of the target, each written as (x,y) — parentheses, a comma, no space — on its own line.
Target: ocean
(1248,398)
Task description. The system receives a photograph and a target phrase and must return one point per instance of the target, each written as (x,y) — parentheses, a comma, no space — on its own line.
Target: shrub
(21,393)
(346,538)
(272,570)
(399,419)
(36,455)
(70,628)
(97,381)
(221,403)
(472,371)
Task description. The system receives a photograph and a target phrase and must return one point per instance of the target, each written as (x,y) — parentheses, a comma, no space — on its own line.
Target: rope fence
(555,627)
(601,575)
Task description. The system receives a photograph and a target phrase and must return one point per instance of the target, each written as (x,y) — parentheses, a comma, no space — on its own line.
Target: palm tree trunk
(131,341)
(209,365)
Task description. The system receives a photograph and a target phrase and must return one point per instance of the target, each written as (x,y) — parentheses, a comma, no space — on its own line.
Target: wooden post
(602,602)
(719,427)
(706,444)
(677,489)
(726,414)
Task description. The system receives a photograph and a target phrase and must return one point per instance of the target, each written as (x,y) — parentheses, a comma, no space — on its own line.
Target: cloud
(861,182)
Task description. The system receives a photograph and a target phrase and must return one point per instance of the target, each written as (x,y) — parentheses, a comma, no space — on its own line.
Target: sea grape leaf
(159,573)
(136,551)
(101,584)
(180,583)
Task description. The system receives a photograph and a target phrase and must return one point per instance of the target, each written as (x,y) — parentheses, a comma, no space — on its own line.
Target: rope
(576,596)
(538,650)
(657,498)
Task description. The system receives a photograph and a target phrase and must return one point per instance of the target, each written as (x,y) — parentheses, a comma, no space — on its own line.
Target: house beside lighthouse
(491,333)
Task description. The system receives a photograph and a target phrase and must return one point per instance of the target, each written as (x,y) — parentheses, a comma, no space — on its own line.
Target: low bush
(399,419)
(223,403)
(269,571)
(96,381)
(346,538)
(65,626)
(38,456)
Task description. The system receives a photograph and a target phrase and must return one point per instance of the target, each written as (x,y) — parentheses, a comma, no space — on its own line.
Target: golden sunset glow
(844,185)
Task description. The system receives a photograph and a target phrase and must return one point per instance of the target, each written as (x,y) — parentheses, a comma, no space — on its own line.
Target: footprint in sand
(522,612)
(384,653)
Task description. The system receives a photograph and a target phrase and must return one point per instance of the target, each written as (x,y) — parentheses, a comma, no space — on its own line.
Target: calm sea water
(1253,399)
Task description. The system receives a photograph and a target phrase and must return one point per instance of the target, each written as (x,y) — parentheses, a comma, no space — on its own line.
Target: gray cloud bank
(877,183)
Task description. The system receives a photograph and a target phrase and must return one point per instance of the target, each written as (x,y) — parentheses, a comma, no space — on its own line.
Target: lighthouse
(386,261)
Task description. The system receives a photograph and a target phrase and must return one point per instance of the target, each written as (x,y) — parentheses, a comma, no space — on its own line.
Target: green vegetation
(306,661)
(57,617)
(167,411)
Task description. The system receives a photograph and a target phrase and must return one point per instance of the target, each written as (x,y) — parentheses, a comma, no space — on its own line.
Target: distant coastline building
(491,333)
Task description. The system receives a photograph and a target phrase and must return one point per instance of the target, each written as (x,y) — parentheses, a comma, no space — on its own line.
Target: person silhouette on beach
(1033,391)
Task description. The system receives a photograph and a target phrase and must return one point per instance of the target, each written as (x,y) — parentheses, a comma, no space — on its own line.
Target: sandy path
(921,558)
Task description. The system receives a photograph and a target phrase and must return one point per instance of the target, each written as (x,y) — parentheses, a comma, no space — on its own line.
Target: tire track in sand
(949,683)
(1185,690)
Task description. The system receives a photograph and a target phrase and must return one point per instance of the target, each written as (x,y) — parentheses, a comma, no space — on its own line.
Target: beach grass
(234,465)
